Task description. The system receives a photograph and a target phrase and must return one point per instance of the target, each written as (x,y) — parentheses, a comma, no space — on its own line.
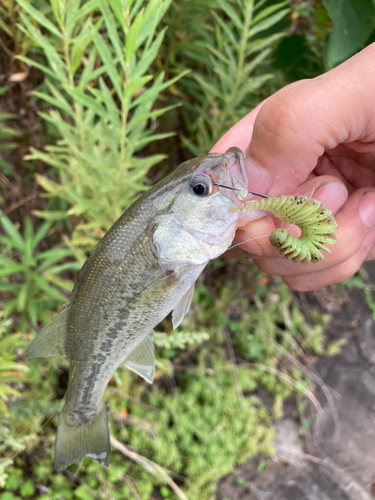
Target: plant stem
(124,120)
(70,76)
(241,59)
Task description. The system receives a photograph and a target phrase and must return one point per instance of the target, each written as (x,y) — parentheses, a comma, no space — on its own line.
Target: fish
(145,267)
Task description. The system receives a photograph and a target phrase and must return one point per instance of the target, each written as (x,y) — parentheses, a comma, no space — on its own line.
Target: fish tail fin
(87,439)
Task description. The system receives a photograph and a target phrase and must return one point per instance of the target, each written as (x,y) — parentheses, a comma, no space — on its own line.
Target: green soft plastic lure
(316,222)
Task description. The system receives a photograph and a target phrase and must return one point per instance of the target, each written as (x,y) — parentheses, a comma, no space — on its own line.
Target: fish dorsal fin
(142,360)
(182,307)
(51,341)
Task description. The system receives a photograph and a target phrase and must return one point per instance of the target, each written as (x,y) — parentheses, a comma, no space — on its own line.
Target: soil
(335,458)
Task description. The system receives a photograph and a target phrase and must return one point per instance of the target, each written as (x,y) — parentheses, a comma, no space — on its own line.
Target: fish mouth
(237,177)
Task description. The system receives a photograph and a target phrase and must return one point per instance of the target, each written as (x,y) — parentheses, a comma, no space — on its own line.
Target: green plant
(353,21)
(7,134)
(30,278)
(10,370)
(102,100)
(237,46)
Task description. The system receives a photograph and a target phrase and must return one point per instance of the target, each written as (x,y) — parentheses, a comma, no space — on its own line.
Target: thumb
(294,128)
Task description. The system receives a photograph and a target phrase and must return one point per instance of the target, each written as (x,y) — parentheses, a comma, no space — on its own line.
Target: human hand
(316,138)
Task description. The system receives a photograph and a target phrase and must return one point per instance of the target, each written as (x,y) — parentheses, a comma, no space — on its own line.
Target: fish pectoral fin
(182,307)
(51,341)
(142,360)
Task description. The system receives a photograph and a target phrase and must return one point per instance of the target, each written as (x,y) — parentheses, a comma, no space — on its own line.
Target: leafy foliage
(100,105)
(7,134)
(237,48)
(30,277)
(353,21)
(10,370)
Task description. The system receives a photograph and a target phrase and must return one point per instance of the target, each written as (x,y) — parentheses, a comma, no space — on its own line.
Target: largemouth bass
(144,268)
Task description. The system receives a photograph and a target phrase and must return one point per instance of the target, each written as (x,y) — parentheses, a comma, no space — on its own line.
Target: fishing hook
(234,189)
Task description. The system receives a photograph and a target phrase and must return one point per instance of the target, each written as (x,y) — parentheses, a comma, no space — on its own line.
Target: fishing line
(315,221)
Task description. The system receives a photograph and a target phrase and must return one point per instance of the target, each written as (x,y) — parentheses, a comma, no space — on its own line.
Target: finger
(254,237)
(335,274)
(240,134)
(356,221)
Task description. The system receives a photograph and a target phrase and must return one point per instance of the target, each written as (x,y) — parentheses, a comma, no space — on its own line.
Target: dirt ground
(335,458)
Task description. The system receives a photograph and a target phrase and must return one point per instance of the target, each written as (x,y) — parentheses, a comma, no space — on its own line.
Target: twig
(133,400)
(18,204)
(306,456)
(324,387)
(151,467)
(291,381)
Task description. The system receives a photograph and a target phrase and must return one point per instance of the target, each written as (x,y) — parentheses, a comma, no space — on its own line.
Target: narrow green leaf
(268,11)
(135,85)
(108,62)
(263,43)
(39,17)
(56,11)
(152,138)
(41,233)
(71,10)
(54,102)
(56,62)
(148,56)
(50,215)
(154,13)
(84,12)
(35,64)
(226,29)
(87,101)
(113,111)
(268,22)
(156,89)
(22,297)
(112,33)
(13,233)
(232,14)
(132,35)
(146,116)
(11,269)
(118,7)
(76,58)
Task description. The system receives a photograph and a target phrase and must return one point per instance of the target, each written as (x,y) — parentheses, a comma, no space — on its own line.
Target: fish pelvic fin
(182,307)
(87,439)
(51,341)
(142,360)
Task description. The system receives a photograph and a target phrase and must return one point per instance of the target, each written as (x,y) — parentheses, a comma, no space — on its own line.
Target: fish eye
(201,185)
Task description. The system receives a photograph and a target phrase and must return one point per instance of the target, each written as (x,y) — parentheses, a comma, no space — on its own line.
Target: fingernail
(257,178)
(332,194)
(366,208)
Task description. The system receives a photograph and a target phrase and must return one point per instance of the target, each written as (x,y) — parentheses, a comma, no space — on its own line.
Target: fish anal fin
(182,307)
(142,360)
(87,439)
(51,341)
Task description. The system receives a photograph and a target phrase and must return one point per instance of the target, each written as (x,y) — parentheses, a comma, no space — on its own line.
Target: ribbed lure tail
(316,222)
(89,439)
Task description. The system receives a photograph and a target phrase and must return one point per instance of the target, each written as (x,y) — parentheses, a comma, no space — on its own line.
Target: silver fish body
(144,268)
